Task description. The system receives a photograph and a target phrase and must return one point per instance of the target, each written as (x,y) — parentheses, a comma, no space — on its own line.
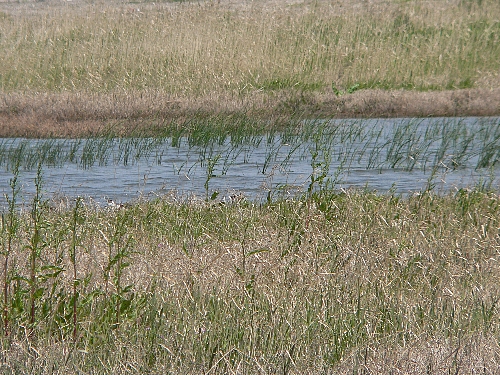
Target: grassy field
(330,282)
(83,64)
(202,49)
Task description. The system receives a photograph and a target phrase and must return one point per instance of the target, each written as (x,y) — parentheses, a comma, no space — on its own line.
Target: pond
(402,156)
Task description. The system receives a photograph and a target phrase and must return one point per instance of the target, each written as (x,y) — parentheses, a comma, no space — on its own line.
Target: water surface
(398,155)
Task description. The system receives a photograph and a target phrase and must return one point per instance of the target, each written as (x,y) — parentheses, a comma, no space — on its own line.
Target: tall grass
(198,49)
(333,281)
(10,226)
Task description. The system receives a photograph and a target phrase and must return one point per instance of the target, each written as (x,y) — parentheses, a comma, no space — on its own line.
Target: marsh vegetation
(330,281)
(197,50)
(326,280)
(323,281)
(206,157)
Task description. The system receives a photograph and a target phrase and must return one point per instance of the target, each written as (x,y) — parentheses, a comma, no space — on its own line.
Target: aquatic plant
(335,147)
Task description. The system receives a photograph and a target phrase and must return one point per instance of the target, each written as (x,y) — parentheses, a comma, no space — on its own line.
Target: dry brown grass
(346,282)
(80,115)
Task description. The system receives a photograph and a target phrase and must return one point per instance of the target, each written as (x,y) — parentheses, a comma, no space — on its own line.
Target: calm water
(401,155)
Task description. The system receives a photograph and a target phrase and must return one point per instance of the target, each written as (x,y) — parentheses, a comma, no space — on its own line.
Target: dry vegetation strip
(168,60)
(82,115)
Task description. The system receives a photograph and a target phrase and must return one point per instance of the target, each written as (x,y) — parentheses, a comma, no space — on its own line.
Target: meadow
(327,281)
(199,49)
(74,67)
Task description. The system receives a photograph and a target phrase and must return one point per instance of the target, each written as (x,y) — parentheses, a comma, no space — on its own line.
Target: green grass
(411,144)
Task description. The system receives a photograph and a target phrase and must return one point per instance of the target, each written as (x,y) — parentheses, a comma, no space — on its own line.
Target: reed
(76,241)
(10,226)
(333,148)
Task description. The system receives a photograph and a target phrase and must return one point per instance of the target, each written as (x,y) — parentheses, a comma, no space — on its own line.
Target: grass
(166,60)
(328,281)
(333,281)
(218,141)
(199,50)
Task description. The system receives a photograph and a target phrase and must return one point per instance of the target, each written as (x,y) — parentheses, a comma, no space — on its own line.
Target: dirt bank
(84,114)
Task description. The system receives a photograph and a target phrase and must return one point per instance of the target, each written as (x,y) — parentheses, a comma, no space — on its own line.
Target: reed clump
(335,281)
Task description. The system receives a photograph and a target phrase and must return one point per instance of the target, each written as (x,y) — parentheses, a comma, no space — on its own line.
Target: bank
(83,114)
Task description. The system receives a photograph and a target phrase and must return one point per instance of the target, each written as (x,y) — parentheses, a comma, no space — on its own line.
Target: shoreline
(74,115)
